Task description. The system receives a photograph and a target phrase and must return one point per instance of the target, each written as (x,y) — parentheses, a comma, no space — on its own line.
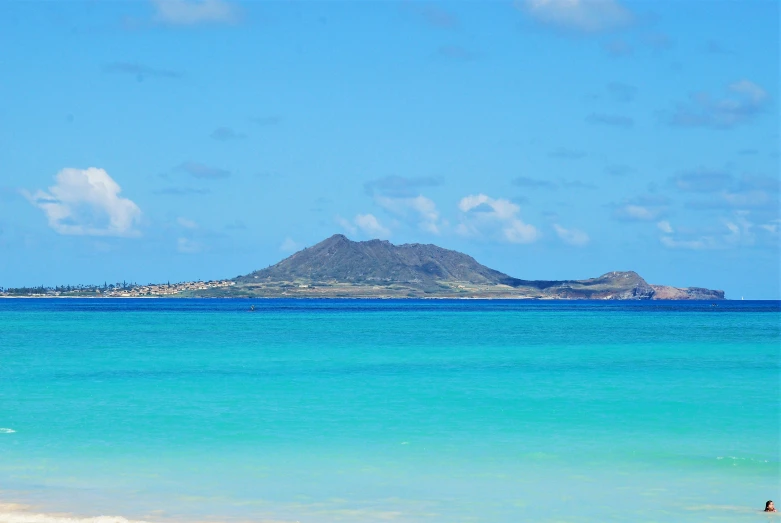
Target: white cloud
(370,225)
(367,224)
(519,232)
(705,242)
(482,214)
(346,224)
(632,212)
(188,246)
(423,209)
(746,87)
(86,202)
(734,232)
(187,224)
(665,226)
(289,245)
(771,227)
(194,12)
(588,16)
(571,236)
(740,229)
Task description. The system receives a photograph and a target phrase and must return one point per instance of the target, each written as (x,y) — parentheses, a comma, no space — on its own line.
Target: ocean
(324,411)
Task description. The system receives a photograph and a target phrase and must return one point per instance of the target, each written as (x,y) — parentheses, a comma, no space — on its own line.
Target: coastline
(21,513)
(410,298)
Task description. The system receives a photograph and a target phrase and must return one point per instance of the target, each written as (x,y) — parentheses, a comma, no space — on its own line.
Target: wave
(7,431)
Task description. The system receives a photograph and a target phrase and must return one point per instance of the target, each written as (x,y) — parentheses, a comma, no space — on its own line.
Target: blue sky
(173,140)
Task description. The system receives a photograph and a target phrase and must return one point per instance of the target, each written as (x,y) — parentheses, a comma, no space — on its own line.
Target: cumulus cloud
(483,215)
(743,101)
(586,16)
(665,227)
(194,12)
(370,225)
(87,202)
(571,236)
(367,224)
(400,196)
(420,209)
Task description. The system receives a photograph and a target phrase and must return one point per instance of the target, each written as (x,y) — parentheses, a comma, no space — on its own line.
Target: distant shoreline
(459,298)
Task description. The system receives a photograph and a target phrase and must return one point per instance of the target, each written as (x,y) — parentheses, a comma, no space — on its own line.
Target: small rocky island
(340,268)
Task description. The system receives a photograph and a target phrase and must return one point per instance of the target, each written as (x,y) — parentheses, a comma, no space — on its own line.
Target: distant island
(340,268)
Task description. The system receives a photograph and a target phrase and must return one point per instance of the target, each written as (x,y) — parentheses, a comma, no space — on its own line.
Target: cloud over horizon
(421,210)
(86,202)
(482,215)
(574,237)
(737,230)
(366,224)
(401,197)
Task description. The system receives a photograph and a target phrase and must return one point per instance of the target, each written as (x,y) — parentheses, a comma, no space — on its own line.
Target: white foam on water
(7,431)
(18,517)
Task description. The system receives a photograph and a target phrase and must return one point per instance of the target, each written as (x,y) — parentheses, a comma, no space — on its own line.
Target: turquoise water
(408,411)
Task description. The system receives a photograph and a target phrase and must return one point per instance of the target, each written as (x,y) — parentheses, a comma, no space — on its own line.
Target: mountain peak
(340,259)
(338,266)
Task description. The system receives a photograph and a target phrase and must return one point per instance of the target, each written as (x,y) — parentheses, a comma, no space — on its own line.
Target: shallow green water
(325,411)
